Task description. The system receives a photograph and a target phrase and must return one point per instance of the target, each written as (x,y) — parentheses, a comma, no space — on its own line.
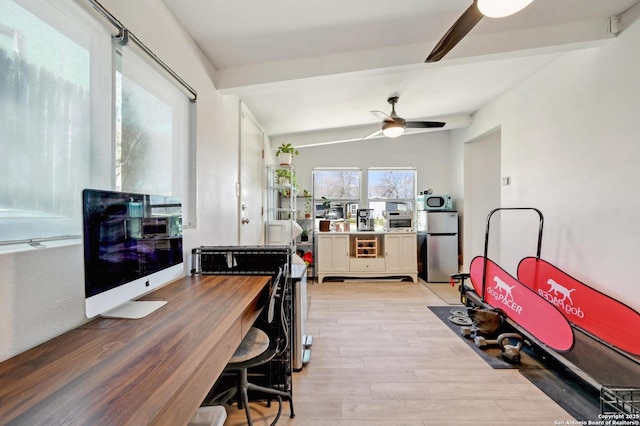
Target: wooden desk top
(154,370)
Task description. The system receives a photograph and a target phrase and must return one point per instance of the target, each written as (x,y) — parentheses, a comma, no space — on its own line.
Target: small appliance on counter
(400,220)
(438,202)
(365,219)
(426,200)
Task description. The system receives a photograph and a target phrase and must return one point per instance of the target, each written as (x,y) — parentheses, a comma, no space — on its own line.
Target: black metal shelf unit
(253,260)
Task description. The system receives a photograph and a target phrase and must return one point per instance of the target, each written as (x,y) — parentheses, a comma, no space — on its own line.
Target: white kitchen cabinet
(332,254)
(366,255)
(367,265)
(401,253)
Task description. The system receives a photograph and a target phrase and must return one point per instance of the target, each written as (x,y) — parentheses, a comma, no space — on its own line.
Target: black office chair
(257,348)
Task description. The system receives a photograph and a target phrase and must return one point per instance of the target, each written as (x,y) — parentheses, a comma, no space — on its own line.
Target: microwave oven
(436,202)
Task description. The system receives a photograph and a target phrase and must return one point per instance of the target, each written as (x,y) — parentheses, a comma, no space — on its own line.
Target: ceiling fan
(393,125)
(469,19)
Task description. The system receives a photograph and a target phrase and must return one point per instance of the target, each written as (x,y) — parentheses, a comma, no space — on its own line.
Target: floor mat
(491,355)
(558,383)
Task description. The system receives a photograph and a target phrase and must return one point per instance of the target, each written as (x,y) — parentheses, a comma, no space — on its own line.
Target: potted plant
(285,179)
(285,153)
(308,204)
(325,224)
(304,235)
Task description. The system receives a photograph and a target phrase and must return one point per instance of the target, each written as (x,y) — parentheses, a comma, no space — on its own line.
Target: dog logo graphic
(501,285)
(559,288)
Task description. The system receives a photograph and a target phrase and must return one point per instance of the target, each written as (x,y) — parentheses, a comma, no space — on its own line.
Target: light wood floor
(380,358)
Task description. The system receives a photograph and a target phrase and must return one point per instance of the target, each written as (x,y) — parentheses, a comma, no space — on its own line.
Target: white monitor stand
(134,309)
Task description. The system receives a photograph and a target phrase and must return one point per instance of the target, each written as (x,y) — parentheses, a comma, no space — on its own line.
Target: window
(336,192)
(44,122)
(390,189)
(152,130)
(58,133)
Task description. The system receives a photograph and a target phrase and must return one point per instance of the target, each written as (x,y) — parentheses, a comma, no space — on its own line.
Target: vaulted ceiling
(319,67)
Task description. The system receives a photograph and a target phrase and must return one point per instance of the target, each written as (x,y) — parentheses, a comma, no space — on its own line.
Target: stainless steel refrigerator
(440,247)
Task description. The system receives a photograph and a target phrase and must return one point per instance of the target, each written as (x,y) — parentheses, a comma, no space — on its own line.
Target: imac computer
(132,246)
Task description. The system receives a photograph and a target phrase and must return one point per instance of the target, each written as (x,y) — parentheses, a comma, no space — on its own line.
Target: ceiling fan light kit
(394,125)
(392,130)
(465,23)
(501,8)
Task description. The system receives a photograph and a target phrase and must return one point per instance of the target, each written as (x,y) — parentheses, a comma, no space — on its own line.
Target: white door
(251,180)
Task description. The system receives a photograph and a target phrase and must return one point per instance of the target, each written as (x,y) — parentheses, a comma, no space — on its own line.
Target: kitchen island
(373,254)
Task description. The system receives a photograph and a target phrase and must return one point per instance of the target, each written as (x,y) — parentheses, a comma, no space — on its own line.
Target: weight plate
(458,312)
(460,320)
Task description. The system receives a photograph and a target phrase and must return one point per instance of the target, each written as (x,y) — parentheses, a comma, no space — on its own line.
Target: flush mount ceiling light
(501,8)
(392,130)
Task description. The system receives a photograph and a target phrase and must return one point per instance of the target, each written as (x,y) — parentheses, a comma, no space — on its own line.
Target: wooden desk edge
(40,385)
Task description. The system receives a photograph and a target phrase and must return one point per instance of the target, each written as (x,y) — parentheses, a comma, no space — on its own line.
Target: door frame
(253,212)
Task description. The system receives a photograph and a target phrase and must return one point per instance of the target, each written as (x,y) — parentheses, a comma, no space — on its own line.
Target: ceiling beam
(550,39)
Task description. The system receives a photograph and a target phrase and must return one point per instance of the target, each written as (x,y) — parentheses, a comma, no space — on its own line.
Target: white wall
(570,145)
(427,152)
(42,291)
(481,195)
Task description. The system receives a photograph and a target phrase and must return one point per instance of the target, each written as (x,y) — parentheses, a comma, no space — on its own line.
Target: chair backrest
(275,290)
(278,310)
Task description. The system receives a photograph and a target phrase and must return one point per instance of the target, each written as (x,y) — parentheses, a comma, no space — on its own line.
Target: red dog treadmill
(521,304)
(591,333)
(607,319)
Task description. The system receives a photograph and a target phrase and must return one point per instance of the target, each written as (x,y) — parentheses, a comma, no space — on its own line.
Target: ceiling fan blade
(382,116)
(374,134)
(460,28)
(424,124)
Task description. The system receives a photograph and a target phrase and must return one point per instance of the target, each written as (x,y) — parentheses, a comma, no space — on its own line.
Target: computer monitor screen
(132,245)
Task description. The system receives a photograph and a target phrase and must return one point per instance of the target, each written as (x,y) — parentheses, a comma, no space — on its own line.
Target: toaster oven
(400,221)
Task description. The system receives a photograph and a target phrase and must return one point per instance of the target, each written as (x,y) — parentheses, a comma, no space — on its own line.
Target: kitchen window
(336,192)
(390,189)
